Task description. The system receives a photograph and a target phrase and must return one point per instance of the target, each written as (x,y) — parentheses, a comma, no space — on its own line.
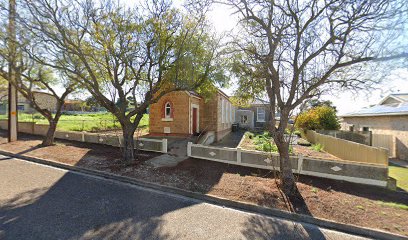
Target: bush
(322,117)
(303,142)
(317,147)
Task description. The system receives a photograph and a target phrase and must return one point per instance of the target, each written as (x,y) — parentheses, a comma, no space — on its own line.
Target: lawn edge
(247,207)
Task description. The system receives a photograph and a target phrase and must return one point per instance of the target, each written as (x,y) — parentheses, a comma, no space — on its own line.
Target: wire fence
(86,123)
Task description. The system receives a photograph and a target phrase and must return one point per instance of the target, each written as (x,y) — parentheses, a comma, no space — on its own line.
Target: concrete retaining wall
(341,170)
(145,144)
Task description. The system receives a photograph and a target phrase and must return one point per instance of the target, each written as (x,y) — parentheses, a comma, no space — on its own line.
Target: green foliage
(322,117)
(303,142)
(401,175)
(249,135)
(394,205)
(317,147)
(264,142)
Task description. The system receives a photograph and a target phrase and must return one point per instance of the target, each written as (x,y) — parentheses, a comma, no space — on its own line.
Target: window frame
(258,112)
(169,106)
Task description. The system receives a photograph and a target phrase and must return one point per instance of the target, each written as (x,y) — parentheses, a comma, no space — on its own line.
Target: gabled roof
(400,97)
(381,110)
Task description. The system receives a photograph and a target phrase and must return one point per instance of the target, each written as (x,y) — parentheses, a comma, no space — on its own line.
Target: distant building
(255,116)
(43,99)
(388,121)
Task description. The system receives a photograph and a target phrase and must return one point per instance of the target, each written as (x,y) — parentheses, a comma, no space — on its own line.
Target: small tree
(116,52)
(318,118)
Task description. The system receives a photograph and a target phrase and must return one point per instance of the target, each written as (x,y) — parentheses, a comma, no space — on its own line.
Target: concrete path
(400,163)
(40,202)
(177,153)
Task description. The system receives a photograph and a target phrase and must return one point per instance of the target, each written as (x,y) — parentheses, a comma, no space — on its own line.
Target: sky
(345,101)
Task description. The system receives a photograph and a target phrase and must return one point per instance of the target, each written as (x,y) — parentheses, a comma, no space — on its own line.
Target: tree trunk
(49,137)
(287,178)
(128,150)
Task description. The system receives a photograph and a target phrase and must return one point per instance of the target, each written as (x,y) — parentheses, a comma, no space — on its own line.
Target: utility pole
(12,94)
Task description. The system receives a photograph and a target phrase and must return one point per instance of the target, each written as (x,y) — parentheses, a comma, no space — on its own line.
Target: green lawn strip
(394,205)
(401,175)
(81,122)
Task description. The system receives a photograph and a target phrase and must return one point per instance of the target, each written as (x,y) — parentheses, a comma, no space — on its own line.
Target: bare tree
(120,54)
(293,50)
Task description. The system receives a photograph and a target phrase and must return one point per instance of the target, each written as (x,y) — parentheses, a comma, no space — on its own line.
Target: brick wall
(180,108)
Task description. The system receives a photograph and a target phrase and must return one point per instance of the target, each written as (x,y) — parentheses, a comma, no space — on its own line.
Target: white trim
(257,114)
(390,96)
(164,145)
(190,128)
(347,178)
(165,111)
(376,114)
(222,110)
(167,119)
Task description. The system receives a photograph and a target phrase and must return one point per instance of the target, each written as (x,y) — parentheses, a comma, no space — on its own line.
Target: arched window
(167,110)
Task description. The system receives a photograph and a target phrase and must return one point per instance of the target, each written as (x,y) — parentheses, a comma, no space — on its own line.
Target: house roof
(258,101)
(381,110)
(400,97)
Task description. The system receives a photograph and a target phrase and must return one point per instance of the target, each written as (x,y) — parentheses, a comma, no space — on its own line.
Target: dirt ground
(247,143)
(335,200)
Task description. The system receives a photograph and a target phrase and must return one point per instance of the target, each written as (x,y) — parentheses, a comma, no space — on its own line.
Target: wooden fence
(385,141)
(349,151)
(340,170)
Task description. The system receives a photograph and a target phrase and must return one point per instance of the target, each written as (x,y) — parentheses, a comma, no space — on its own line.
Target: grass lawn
(81,122)
(401,174)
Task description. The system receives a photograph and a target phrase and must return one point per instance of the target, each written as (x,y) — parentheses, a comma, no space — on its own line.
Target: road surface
(41,202)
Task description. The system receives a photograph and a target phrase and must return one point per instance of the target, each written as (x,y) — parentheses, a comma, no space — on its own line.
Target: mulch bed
(248,144)
(335,200)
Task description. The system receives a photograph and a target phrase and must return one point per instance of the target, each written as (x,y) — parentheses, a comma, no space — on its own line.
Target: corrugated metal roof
(381,110)
(401,96)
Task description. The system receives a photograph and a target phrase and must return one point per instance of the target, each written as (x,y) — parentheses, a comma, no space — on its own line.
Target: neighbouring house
(388,122)
(74,105)
(43,99)
(254,116)
(187,113)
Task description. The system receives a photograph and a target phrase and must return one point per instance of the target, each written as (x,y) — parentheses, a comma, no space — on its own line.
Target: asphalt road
(41,202)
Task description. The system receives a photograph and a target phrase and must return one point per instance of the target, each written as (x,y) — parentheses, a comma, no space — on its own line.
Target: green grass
(317,147)
(81,122)
(401,175)
(394,205)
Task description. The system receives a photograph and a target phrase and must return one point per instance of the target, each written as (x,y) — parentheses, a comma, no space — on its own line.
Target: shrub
(317,147)
(249,135)
(322,117)
(303,142)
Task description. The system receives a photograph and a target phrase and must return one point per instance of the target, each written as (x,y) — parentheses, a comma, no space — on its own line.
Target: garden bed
(335,200)
(256,141)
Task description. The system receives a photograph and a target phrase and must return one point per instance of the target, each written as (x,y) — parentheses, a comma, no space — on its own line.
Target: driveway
(41,202)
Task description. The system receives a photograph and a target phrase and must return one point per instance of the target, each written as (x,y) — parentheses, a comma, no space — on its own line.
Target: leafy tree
(116,52)
(294,50)
(317,102)
(320,117)
(32,76)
